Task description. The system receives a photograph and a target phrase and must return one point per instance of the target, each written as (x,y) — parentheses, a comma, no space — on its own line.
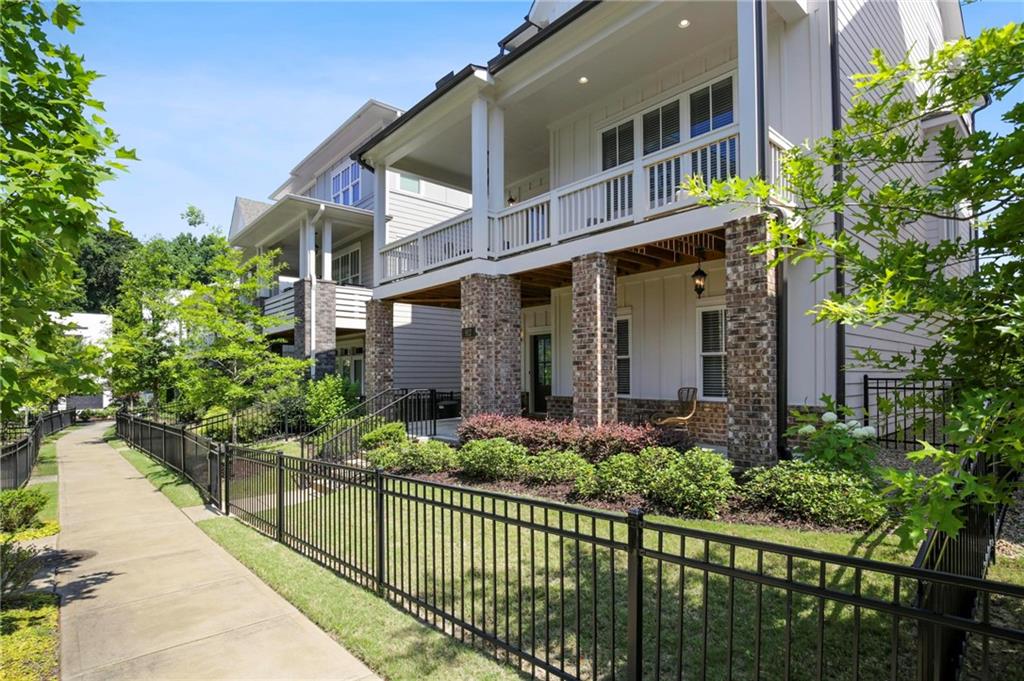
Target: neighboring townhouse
(583,277)
(321,221)
(94,329)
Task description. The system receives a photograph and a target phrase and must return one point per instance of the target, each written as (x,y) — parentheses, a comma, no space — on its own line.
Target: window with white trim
(409,183)
(623,355)
(661,127)
(347,267)
(711,107)
(711,346)
(617,145)
(345,185)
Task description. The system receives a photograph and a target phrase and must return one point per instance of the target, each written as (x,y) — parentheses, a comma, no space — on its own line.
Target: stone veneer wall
(325,347)
(593,339)
(751,349)
(300,300)
(491,344)
(379,348)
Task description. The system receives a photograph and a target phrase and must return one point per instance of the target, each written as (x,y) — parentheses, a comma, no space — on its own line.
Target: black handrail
(416,410)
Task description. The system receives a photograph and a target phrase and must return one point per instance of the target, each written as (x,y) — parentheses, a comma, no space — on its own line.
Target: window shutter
(721,103)
(622,350)
(714,376)
(712,336)
(670,124)
(609,150)
(625,132)
(700,112)
(713,358)
(652,131)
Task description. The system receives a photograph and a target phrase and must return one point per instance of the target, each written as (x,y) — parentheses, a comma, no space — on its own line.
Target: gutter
(838,218)
(312,292)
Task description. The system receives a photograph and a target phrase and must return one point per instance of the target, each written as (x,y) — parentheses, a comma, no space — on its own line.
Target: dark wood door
(540,371)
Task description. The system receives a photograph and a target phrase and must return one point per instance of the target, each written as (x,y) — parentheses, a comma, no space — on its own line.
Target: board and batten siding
(428,347)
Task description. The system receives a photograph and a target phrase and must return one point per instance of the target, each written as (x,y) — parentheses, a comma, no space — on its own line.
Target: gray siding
(411,213)
(427,347)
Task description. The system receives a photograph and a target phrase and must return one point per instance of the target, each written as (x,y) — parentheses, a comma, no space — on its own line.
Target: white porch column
(325,250)
(380,219)
(478,138)
(749,13)
(303,247)
(307,250)
(496,158)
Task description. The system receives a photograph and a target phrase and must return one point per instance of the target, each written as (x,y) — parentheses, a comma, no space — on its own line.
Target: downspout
(312,291)
(838,218)
(974,228)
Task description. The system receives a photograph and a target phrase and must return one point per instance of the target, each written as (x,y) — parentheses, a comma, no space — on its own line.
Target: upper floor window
(661,127)
(345,185)
(711,107)
(617,145)
(408,183)
(347,267)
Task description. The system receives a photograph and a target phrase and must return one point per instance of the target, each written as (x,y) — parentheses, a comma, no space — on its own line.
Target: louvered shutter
(670,124)
(721,103)
(609,150)
(700,112)
(625,142)
(622,351)
(652,131)
(713,358)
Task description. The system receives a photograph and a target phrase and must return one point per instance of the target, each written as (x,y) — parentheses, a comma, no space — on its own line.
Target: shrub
(18,565)
(618,476)
(553,466)
(813,492)
(492,459)
(328,398)
(594,444)
(586,482)
(431,456)
(388,434)
(221,428)
(697,484)
(19,508)
(833,439)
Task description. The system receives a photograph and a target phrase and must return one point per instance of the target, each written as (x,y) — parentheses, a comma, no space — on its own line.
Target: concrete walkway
(147,595)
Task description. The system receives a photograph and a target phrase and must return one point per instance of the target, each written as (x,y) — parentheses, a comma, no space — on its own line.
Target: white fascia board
(790,10)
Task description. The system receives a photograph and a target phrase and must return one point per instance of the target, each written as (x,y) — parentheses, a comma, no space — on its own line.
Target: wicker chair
(684,412)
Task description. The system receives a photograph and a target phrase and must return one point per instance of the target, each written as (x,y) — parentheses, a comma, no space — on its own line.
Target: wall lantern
(699,276)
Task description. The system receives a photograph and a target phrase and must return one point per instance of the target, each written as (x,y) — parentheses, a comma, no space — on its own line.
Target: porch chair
(687,407)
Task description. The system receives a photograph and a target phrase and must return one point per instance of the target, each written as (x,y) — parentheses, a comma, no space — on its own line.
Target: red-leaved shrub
(593,443)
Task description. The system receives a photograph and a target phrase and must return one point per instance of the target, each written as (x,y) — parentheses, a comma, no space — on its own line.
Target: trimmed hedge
(553,466)
(388,434)
(594,444)
(493,459)
(19,508)
(696,484)
(430,456)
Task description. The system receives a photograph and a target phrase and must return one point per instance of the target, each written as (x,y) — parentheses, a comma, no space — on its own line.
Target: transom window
(347,267)
(617,145)
(408,183)
(623,348)
(711,343)
(661,127)
(711,107)
(345,187)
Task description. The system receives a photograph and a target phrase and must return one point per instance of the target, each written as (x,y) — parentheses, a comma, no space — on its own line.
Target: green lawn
(30,638)
(174,486)
(289,446)
(392,643)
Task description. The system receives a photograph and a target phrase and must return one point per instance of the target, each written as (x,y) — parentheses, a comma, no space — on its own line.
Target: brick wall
(751,345)
(379,349)
(325,349)
(593,339)
(559,408)
(707,425)
(491,345)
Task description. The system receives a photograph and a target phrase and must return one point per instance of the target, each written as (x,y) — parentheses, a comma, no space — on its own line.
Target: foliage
(101,261)
(895,178)
(287,402)
(493,459)
(387,434)
(18,565)
(814,492)
(430,456)
(834,439)
(617,477)
(696,484)
(553,466)
(19,508)
(55,151)
(594,444)
(29,638)
(216,424)
(328,398)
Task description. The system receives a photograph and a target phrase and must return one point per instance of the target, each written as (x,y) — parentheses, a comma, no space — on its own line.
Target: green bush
(388,434)
(618,476)
(553,466)
(221,430)
(834,439)
(430,456)
(494,459)
(18,565)
(586,482)
(328,398)
(696,484)
(814,493)
(19,508)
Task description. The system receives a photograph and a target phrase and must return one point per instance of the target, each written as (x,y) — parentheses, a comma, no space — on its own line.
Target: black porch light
(699,276)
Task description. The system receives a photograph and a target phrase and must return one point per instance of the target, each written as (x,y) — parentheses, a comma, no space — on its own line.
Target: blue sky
(222,99)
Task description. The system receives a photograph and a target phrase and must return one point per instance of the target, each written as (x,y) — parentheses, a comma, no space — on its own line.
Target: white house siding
(895,28)
(427,347)
(365,255)
(410,212)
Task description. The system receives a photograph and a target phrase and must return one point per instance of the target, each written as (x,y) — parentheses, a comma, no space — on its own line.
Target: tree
(56,150)
(102,261)
(975,316)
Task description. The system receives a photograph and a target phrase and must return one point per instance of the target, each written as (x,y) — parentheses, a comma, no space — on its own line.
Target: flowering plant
(833,438)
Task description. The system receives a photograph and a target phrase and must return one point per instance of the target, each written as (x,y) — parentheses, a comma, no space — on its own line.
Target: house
(94,330)
(582,275)
(321,221)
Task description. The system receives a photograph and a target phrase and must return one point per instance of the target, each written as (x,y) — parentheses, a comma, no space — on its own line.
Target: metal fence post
(381,533)
(433,411)
(635,596)
(226,459)
(867,400)
(280,497)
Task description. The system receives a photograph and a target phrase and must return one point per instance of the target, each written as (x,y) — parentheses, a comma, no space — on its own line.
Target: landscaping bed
(30,638)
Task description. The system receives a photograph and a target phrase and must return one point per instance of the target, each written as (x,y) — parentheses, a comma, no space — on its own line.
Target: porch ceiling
(536,285)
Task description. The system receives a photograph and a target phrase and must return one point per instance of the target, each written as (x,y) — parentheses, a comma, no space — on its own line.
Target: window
(711,107)
(623,343)
(347,267)
(408,183)
(661,127)
(711,342)
(350,363)
(617,146)
(951,229)
(345,185)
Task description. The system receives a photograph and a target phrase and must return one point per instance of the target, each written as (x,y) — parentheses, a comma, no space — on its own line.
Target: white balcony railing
(622,195)
(281,305)
(350,306)
(777,148)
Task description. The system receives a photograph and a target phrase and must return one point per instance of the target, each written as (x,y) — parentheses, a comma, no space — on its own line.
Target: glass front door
(540,371)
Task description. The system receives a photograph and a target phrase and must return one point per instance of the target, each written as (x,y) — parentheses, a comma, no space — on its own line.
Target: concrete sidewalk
(147,595)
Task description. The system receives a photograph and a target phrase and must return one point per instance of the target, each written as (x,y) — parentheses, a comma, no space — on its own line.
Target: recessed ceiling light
(583,80)
(684,23)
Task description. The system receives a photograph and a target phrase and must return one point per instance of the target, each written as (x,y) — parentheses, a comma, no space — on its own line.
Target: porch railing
(350,305)
(281,305)
(442,244)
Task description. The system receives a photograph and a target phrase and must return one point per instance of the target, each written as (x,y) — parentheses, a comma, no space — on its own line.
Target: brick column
(380,346)
(594,387)
(301,298)
(325,343)
(751,351)
(491,345)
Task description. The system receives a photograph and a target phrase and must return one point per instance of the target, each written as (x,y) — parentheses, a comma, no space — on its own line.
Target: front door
(540,372)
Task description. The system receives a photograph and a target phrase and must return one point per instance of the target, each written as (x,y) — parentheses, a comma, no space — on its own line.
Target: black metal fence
(905,412)
(22,442)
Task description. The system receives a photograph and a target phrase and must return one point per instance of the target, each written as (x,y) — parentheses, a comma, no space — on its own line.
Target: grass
(289,446)
(174,486)
(46,463)
(392,643)
(29,638)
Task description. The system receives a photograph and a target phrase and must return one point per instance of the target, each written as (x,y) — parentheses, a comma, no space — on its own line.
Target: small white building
(94,330)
